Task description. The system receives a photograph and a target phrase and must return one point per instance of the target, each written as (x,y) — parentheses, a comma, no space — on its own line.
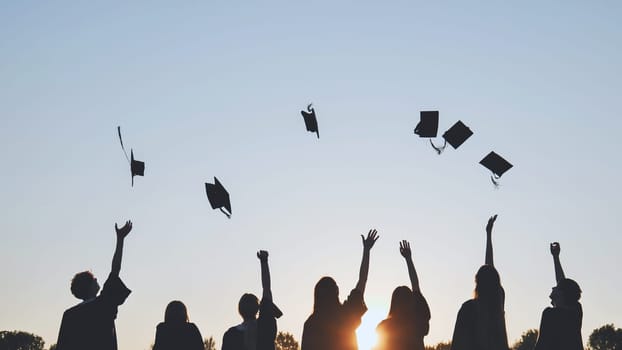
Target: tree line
(607,337)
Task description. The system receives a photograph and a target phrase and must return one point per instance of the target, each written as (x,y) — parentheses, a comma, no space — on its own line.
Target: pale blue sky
(206,89)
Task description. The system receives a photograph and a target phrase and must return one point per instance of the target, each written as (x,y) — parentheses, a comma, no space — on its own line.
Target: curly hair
(81,284)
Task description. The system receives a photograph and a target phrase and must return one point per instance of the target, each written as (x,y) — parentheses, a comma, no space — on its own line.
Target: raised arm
(118,252)
(559,272)
(412,273)
(491,223)
(368,243)
(265,275)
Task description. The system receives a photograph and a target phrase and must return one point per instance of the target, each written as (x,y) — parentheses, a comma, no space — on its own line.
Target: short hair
(81,284)
(570,289)
(248,306)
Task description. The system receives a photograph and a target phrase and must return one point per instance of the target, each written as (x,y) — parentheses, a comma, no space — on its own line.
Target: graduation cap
(310,119)
(428,128)
(218,197)
(428,124)
(457,134)
(137,167)
(497,165)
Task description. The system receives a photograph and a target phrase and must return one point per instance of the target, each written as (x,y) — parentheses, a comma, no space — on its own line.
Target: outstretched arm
(559,272)
(368,243)
(412,273)
(491,223)
(118,252)
(265,275)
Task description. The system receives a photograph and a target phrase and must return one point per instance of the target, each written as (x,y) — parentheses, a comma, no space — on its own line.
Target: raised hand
(489,257)
(262,255)
(491,223)
(123,231)
(555,249)
(118,251)
(405,249)
(372,237)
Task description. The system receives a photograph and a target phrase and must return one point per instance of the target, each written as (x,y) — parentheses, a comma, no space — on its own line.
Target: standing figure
(560,327)
(90,324)
(480,324)
(255,333)
(176,332)
(409,316)
(332,325)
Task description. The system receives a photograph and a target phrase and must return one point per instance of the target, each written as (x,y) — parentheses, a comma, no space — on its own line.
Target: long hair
(401,302)
(490,297)
(488,289)
(326,296)
(176,312)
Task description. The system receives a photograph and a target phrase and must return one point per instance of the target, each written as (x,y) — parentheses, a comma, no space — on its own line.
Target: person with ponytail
(258,328)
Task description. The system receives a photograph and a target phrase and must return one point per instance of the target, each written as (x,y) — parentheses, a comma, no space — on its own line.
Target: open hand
(405,249)
(123,231)
(262,255)
(491,223)
(372,237)
(555,248)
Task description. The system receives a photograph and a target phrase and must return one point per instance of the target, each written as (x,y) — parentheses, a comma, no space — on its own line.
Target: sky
(204,89)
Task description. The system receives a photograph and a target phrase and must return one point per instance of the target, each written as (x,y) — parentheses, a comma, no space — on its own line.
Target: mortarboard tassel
(438,150)
(123,148)
(312,111)
(224,212)
(494,178)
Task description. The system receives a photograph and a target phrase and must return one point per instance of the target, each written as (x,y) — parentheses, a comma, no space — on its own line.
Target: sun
(366,333)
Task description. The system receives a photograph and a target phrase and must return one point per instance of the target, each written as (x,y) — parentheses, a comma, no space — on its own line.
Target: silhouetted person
(480,324)
(332,325)
(409,316)
(176,332)
(560,327)
(255,333)
(90,324)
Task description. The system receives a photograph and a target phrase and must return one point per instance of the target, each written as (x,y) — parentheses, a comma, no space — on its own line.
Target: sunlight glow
(366,333)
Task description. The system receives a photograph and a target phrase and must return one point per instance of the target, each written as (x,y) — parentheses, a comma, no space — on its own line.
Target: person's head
(566,293)
(401,302)
(248,306)
(84,285)
(487,282)
(176,312)
(326,295)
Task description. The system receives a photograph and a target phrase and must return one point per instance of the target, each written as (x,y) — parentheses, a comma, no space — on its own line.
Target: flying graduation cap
(218,197)
(457,134)
(428,124)
(428,127)
(137,167)
(497,165)
(310,120)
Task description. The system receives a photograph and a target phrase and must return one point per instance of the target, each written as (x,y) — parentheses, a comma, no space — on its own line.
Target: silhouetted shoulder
(464,329)
(469,305)
(233,339)
(178,336)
